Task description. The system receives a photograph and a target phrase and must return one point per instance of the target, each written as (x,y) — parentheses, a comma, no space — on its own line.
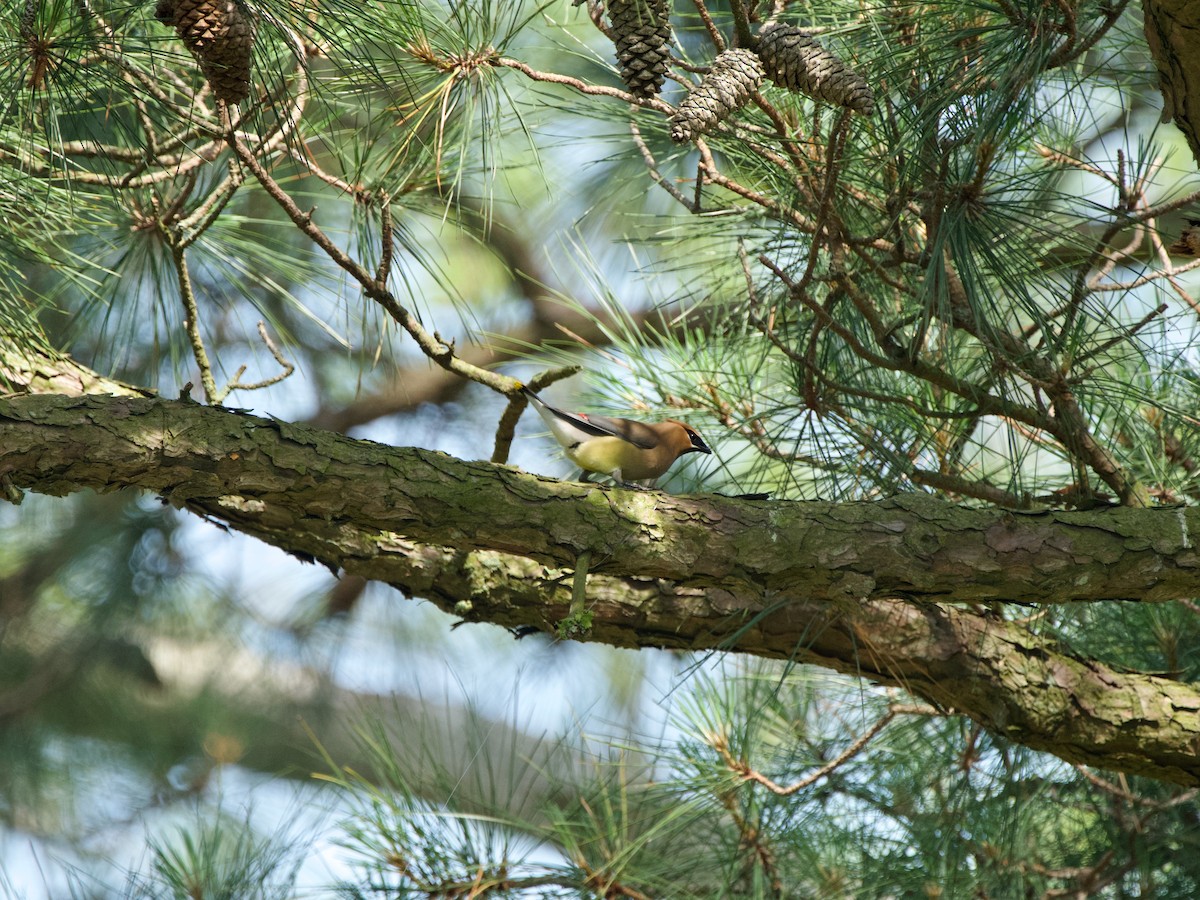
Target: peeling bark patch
(241,504)
(1005,537)
(853,586)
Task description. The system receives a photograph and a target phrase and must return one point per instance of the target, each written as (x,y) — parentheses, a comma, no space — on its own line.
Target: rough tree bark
(1173,35)
(887,590)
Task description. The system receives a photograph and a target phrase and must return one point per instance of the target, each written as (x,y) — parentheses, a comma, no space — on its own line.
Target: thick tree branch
(297,487)
(1173,35)
(53,373)
(863,588)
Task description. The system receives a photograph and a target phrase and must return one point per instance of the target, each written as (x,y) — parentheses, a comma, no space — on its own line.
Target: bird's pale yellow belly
(603,455)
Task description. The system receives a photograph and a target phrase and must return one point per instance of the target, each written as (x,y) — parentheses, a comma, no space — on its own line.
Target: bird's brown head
(689,441)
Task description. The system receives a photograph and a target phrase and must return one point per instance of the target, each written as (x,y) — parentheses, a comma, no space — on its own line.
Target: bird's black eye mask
(698,443)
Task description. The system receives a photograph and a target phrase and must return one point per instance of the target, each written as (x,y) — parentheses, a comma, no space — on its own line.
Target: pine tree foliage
(910,247)
(779,783)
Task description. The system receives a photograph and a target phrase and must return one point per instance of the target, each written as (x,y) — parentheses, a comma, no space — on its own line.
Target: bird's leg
(585,476)
(620,482)
(646,484)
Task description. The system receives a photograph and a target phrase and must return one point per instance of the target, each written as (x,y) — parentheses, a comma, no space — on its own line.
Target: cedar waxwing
(626,450)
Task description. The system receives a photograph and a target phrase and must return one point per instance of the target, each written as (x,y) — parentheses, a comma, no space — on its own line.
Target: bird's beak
(698,445)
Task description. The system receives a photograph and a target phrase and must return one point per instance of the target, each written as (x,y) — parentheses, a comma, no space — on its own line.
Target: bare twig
(386,239)
(714,33)
(1126,334)
(582,87)
(652,168)
(203,216)
(516,406)
(749,774)
(191,321)
(1127,796)
(430,344)
(714,175)
(286,369)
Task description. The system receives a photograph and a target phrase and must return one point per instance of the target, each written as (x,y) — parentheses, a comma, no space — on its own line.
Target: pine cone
(642,34)
(793,59)
(38,45)
(221,37)
(734,76)
(28,26)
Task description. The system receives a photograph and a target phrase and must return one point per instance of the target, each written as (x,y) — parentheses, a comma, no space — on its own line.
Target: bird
(623,449)
(1189,240)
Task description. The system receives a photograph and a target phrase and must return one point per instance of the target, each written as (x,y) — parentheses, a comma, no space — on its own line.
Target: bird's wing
(636,433)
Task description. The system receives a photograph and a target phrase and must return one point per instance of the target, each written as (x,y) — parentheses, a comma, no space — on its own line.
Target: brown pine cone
(642,33)
(220,35)
(795,60)
(734,76)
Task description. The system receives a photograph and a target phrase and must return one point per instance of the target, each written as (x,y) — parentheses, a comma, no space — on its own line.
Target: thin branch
(1158,275)
(386,239)
(1125,335)
(714,33)
(314,168)
(287,368)
(53,175)
(802,166)
(203,216)
(712,173)
(582,87)
(191,322)
(1164,255)
(747,773)
(516,406)
(430,344)
(652,167)
(966,487)
(1075,48)
(833,152)
(1125,795)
